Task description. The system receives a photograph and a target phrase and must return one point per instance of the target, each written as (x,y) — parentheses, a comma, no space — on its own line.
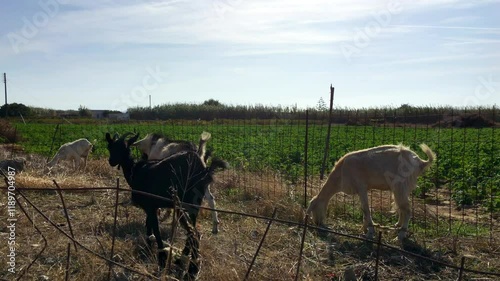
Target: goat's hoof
(182,262)
(215,230)
(179,264)
(402,235)
(193,271)
(150,240)
(162,259)
(323,230)
(370,232)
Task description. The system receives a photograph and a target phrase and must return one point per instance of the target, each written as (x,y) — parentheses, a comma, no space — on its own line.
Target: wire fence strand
(20,191)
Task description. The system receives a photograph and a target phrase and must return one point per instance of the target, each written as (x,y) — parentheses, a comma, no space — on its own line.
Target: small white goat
(73,151)
(157,147)
(387,167)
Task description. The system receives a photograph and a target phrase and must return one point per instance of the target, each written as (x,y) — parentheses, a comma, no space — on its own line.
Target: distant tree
(407,108)
(212,102)
(15,109)
(321,105)
(84,112)
(43,112)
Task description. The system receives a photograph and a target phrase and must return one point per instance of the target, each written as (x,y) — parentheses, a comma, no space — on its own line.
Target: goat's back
(164,148)
(378,167)
(80,146)
(383,157)
(183,172)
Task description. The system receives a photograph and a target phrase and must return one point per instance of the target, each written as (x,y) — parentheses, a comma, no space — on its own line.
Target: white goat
(157,147)
(73,151)
(387,167)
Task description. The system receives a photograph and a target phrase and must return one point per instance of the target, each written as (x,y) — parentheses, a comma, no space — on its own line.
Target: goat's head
(119,148)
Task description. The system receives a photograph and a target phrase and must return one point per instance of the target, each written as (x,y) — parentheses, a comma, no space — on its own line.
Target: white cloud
(426,59)
(455,41)
(449,27)
(186,22)
(116,40)
(282,49)
(460,20)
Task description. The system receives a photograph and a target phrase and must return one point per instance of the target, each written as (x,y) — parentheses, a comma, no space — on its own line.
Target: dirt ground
(471,234)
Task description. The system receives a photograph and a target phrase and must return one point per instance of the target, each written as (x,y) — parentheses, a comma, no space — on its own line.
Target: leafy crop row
(468,159)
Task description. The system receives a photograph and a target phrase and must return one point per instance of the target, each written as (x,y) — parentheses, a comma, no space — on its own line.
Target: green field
(468,159)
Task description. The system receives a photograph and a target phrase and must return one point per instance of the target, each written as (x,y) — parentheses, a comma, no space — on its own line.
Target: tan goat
(72,151)
(387,167)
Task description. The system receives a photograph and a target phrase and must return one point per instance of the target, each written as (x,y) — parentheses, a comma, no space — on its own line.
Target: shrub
(8,134)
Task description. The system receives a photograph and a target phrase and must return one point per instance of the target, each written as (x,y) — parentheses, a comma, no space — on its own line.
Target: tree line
(213,110)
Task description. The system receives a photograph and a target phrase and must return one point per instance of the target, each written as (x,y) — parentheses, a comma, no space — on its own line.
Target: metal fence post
(327,144)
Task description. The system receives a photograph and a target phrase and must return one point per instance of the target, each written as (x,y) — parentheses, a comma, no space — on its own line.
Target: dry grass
(227,255)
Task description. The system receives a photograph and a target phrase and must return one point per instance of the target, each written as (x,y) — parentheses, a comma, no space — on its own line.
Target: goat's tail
(431,156)
(205,136)
(217,164)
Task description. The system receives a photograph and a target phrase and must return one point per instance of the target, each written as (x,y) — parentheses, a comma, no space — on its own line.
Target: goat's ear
(132,139)
(108,138)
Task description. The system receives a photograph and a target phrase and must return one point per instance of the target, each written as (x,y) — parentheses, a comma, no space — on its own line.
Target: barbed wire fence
(461,189)
(23,200)
(462,186)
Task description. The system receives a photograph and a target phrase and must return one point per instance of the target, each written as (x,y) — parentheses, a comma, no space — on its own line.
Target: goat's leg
(74,158)
(84,163)
(149,232)
(71,161)
(211,203)
(191,248)
(153,223)
(400,219)
(367,216)
(403,204)
(405,215)
(78,163)
(166,214)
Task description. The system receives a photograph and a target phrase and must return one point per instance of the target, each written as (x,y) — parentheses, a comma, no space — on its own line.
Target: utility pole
(149,101)
(5,87)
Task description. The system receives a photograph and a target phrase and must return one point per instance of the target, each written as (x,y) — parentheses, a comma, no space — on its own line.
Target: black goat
(184,173)
(157,147)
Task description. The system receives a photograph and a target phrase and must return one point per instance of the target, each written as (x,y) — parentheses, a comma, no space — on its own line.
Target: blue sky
(114,54)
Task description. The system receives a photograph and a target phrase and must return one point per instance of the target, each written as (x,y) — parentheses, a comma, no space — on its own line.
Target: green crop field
(455,209)
(468,159)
